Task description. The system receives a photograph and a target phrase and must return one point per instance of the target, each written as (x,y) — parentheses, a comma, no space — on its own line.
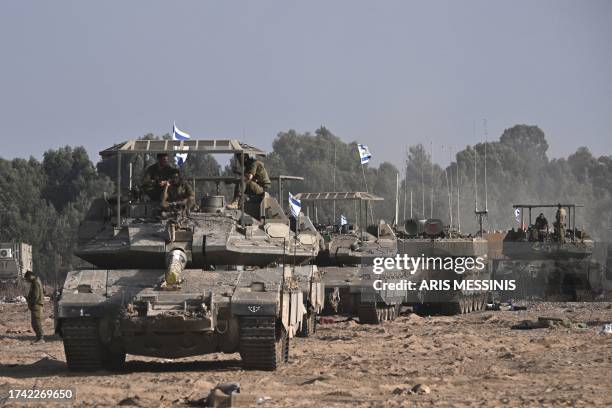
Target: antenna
(485,164)
(431,181)
(479,213)
(397,189)
(450,188)
(450,207)
(334,181)
(458,212)
(410,203)
(475,182)
(423,187)
(405,180)
(405,191)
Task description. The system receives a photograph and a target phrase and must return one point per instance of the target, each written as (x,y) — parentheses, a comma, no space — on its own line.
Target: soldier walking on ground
(35,304)
(256,177)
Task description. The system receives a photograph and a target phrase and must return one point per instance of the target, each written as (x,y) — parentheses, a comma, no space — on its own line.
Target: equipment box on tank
(15,260)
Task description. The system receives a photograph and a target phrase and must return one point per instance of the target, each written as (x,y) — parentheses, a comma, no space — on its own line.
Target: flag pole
(297,226)
(334,180)
(365,182)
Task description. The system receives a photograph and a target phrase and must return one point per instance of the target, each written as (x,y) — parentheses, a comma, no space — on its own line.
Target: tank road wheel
(392,313)
(464,304)
(309,325)
(368,313)
(480,301)
(264,345)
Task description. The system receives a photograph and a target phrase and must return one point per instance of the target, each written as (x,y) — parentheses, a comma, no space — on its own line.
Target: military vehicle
(346,257)
(185,281)
(15,260)
(431,241)
(549,261)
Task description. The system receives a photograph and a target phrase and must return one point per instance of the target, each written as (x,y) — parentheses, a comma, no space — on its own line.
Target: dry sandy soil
(464,360)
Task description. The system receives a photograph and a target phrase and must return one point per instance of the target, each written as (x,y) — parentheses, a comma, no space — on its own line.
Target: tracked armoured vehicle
(185,281)
(346,257)
(552,261)
(446,256)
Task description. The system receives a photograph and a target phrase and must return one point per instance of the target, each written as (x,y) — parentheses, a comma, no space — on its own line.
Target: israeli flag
(517,214)
(295,205)
(178,134)
(343,220)
(364,153)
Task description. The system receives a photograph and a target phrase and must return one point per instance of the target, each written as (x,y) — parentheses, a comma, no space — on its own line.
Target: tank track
(83,349)
(263,345)
(82,345)
(466,304)
(372,313)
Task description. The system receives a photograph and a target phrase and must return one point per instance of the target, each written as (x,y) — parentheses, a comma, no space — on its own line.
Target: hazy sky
(385,73)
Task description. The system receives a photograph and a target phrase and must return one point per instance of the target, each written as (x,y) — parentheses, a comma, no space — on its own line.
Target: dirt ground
(470,360)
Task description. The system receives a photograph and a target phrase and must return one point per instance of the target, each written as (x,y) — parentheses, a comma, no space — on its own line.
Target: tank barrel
(176,261)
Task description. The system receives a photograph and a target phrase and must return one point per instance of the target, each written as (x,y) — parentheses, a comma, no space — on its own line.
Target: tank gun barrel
(176,260)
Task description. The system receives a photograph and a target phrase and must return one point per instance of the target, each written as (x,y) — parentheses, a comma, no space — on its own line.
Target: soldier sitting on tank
(156,177)
(256,180)
(177,191)
(541,224)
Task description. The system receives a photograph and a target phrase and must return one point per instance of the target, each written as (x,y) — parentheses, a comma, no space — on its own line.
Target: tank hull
(443,290)
(550,270)
(130,313)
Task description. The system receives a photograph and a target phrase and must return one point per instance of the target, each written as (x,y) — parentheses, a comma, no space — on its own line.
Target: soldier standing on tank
(256,178)
(560,223)
(177,191)
(156,177)
(35,304)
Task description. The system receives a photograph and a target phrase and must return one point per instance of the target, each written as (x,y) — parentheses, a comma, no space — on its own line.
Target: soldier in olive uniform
(541,224)
(560,223)
(177,191)
(256,177)
(156,177)
(35,304)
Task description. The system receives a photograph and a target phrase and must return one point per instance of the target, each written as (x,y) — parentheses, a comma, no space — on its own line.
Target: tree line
(43,202)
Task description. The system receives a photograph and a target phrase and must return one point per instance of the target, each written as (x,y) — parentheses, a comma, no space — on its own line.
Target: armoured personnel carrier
(549,260)
(183,281)
(346,257)
(450,263)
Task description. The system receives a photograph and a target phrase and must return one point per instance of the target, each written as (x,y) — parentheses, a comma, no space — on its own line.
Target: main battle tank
(432,242)
(553,262)
(184,282)
(346,257)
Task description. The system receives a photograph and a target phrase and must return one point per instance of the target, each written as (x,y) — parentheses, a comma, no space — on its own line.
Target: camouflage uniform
(179,192)
(259,183)
(153,175)
(35,304)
